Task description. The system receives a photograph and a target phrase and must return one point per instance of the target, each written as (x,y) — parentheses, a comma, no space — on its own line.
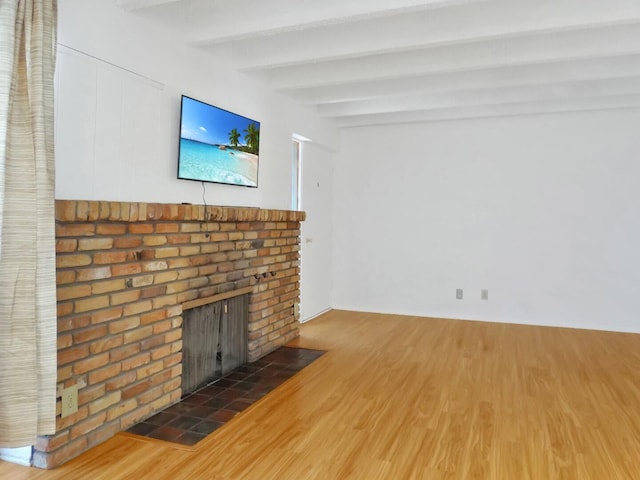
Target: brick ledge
(89,210)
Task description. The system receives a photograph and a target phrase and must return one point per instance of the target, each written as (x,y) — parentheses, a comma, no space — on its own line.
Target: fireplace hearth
(212,406)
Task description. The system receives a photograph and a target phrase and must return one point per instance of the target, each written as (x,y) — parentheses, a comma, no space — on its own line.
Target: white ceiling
(371,62)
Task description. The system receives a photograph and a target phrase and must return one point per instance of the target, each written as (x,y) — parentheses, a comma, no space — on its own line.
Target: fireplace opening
(214,337)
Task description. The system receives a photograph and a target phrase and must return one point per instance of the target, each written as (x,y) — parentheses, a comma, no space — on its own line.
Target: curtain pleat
(27,229)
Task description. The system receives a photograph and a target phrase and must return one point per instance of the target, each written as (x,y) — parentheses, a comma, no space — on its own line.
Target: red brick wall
(123,271)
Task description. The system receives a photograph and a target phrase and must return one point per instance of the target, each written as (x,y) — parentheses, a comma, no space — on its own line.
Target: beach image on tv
(217,145)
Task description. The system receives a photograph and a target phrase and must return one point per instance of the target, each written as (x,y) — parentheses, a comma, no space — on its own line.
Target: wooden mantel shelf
(93,210)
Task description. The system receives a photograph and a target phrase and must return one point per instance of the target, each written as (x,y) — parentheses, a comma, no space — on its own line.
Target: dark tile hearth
(202,412)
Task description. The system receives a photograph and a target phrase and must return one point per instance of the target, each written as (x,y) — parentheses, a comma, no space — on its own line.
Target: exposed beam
(131,5)
(487,96)
(248,19)
(539,48)
(506,19)
(484,111)
(512,75)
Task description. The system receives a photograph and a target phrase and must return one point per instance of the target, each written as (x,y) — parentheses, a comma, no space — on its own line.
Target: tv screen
(217,145)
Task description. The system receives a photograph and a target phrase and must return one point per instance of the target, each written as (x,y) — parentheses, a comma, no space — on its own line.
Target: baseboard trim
(19,455)
(306,319)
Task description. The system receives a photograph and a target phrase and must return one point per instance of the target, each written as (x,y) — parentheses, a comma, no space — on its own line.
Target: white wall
(118,87)
(316,232)
(542,211)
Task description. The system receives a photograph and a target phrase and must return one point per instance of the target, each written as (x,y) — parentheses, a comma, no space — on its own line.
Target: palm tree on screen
(234,137)
(252,137)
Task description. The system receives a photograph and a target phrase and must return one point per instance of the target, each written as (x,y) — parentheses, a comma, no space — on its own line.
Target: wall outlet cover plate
(69,400)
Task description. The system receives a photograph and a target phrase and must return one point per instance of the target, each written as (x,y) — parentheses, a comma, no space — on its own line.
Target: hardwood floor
(416,398)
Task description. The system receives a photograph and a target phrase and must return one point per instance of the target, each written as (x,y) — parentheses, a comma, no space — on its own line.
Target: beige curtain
(27,235)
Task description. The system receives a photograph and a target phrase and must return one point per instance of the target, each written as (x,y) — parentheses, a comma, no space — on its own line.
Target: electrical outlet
(458,294)
(69,400)
(484,294)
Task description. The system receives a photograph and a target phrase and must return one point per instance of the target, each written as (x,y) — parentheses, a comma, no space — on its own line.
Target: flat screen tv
(217,145)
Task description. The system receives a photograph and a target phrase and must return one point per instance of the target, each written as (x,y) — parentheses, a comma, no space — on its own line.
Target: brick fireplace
(124,271)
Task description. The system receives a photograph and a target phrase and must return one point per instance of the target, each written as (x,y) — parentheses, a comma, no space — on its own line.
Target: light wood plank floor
(416,398)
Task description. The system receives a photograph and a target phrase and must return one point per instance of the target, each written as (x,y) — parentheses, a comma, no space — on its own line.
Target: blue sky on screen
(208,124)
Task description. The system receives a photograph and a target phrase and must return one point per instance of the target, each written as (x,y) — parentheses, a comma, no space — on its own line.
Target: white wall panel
(540,210)
(119,82)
